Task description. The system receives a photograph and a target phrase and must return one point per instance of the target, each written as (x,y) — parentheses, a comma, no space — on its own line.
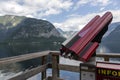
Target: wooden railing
(107,56)
(54,64)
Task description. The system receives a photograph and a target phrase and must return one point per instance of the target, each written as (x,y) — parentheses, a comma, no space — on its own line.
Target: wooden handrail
(24,57)
(107,56)
(27,74)
(110,55)
(69,68)
(45,53)
(54,64)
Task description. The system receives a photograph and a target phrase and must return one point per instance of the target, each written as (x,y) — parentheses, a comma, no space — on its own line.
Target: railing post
(55,68)
(58,72)
(106,58)
(44,60)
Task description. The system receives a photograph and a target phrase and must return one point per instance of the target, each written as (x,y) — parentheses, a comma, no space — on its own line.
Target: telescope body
(83,45)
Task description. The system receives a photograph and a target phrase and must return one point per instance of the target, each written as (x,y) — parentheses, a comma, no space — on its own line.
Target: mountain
(17,27)
(8,22)
(66,34)
(111,28)
(33,28)
(61,32)
(20,29)
(112,41)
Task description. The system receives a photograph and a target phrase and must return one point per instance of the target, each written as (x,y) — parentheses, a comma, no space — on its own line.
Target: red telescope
(83,45)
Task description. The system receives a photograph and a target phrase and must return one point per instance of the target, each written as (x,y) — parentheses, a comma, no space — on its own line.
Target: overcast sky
(64,14)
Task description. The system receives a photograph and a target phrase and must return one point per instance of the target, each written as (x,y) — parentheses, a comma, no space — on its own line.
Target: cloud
(102,8)
(37,8)
(77,22)
(116,15)
(10,7)
(100,2)
(92,3)
(74,23)
(44,8)
(13,8)
(52,11)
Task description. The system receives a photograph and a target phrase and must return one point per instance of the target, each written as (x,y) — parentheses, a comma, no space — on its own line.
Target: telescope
(83,45)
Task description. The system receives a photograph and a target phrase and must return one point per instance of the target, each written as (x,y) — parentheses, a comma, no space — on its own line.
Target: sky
(64,14)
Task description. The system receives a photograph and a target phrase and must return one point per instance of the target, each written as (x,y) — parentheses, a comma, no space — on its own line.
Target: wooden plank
(69,68)
(23,57)
(110,55)
(44,61)
(57,53)
(27,74)
(58,61)
(106,58)
(40,54)
(55,62)
(55,69)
